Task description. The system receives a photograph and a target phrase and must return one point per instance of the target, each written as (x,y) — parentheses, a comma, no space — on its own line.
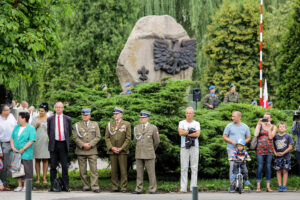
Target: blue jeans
(261,159)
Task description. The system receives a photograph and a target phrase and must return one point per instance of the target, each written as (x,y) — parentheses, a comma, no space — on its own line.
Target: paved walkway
(44,195)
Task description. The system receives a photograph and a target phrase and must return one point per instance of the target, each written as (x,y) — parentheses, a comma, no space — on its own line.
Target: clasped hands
(278,154)
(116,150)
(18,151)
(87,146)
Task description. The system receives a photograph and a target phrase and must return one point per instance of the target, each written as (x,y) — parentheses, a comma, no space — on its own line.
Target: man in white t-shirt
(189,131)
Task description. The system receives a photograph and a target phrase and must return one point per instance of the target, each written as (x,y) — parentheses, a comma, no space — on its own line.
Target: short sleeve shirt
(27,135)
(184,125)
(236,132)
(282,142)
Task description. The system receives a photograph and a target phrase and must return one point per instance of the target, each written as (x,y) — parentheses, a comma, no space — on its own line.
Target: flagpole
(260,53)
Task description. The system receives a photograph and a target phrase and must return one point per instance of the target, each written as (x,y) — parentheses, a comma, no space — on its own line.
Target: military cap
(212,87)
(127,84)
(145,113)
(254,102)
(118,110)
(270,103)
(103,86)
(232,85)
(86,111)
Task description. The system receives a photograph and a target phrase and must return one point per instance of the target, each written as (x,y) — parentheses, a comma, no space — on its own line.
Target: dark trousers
(244,170)
(298,160)
(60,154)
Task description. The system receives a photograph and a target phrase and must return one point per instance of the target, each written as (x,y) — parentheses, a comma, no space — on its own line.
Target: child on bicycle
(240,154)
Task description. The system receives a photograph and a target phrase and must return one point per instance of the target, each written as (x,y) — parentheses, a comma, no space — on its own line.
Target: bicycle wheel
(240,184)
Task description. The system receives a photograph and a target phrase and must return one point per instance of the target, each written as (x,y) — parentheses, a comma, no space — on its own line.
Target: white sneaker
(18,189)
(24,189)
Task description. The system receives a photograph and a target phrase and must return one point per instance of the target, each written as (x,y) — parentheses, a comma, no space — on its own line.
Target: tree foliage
(27,32)
(233,49)
(92,39)
(289,63)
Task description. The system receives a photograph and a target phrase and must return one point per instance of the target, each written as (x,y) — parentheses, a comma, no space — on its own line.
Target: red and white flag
(265,97)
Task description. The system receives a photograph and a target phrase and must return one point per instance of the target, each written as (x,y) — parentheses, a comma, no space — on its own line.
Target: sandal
(37,182)
(269,190)
(45,182)
(258,190)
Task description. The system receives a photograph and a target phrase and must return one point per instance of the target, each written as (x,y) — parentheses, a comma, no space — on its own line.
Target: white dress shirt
(6,127)
(61,119)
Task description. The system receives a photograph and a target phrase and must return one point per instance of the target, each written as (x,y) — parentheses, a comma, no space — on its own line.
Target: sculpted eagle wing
(162,54)
(188,56)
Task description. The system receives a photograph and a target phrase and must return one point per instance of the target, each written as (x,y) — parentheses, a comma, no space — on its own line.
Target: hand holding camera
(192,130)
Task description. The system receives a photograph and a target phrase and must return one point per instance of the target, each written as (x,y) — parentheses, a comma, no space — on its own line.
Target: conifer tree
(289,63)
(233,50)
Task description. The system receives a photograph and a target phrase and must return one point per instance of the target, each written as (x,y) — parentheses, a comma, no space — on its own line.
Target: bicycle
(239,179)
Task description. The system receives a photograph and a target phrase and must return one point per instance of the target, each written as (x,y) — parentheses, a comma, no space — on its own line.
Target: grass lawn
(204,185)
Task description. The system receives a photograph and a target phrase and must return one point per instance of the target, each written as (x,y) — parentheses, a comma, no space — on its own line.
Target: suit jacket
(51,131)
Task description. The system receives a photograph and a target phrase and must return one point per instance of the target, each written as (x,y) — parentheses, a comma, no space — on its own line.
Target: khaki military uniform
(147,140)
(231,97)
(118,135)
(209,100)
(87,134)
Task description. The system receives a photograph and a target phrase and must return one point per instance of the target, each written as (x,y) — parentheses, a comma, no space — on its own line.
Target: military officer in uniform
(127,89)
(146,138)
(211,100)
(86,136)
(117,139)
(232,96)
(104,89)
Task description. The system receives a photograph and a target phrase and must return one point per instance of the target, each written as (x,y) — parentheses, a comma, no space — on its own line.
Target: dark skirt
(28,168)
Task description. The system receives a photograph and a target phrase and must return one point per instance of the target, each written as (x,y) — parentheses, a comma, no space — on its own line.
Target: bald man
(59,127)
(233,132)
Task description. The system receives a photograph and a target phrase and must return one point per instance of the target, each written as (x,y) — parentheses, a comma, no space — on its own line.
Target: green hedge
(167,101)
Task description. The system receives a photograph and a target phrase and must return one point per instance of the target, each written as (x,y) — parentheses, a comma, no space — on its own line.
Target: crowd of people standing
(44,135)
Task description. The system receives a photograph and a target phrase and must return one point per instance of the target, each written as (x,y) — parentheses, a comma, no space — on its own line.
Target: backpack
(58,185)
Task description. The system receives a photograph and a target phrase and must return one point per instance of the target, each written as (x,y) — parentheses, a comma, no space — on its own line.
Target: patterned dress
(264,143)
(40,148)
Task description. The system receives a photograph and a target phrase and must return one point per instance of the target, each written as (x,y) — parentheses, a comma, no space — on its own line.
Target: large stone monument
(157,47)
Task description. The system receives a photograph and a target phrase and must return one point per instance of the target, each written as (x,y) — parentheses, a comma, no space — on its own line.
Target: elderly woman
(265,132)
(40,150)
(21,141)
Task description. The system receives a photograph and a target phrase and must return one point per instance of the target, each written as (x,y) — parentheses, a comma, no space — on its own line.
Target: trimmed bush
(167,101)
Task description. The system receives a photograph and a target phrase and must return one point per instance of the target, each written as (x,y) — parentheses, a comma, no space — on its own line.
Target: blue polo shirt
(27,135)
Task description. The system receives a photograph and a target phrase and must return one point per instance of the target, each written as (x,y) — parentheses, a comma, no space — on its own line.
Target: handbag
(15,162)
(253,143)
(19,173)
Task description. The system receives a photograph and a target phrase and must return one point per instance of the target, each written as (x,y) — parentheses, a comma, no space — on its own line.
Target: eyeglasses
(7,110)
(58,107)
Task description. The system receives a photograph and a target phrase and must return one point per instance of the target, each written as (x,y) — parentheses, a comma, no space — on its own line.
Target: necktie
(143,126)
(59,133)
(86,123)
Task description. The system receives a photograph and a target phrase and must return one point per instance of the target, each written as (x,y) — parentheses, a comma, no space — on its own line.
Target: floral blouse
(264,143)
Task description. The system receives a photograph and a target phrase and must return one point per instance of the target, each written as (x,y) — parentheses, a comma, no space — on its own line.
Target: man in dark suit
(59,132)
